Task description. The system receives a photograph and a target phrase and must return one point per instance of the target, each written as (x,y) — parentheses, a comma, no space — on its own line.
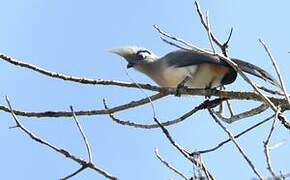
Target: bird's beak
(129,65)
(123,52)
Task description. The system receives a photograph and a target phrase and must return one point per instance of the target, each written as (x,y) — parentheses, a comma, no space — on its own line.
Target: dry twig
(167,164)
(266,147)
(236,136)
(84,164)
(83,135)
(231,136)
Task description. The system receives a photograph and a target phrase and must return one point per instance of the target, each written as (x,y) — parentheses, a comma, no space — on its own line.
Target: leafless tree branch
(74,173)
(276,69)
(231,136)
(236,136)
(231,95)
(183,151)
(246,114)
(64,152)
(266,147)
(126,106)
(83,135)
(167,164)
(204,105)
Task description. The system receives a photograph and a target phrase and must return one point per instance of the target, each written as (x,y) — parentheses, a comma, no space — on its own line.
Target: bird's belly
(172,76)
(204,76)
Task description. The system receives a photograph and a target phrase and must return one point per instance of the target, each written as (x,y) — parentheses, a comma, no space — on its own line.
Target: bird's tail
(256,71)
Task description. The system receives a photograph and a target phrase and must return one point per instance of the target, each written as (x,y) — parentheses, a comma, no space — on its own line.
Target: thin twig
(74,173)
(249,113)
(209,33)
(266,147)
(231,136)
(203,22)
(175,44)
(236,137)
(189,45)
(143,92)
(204,105)
(183,151)
(122,107)
(64,152)
(167,164)
(83,135)
(231,63)
(201,167)
(271,91)
(276,69)
(230,108)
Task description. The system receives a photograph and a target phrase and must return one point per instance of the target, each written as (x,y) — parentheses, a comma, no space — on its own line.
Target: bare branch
(231,95)
(73,78)
(204,105)
(252,112)
(230,108)
(64,152)
(209,33)
(74,173)
(266,147)
(236,136)
(203,22)
(284,121)
(276,69)
(250,163)
(183,151)
(167,164)
(123,107)
(274,92)
(189,46)
(231,63)
(83,135)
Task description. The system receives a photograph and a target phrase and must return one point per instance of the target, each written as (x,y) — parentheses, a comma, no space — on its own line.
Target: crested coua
(201,70)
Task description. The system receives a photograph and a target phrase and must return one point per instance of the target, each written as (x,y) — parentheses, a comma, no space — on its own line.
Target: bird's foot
(180,86)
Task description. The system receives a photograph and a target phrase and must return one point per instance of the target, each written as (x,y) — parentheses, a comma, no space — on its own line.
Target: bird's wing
(182,58)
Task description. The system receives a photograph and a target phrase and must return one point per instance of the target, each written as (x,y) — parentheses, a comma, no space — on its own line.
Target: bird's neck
(151,69)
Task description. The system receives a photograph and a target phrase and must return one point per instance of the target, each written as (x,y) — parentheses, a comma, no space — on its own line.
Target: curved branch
(61,151)
(231,95)
(81,80)
(56,114)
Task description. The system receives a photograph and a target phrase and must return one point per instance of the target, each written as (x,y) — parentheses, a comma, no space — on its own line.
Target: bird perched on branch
(196,69)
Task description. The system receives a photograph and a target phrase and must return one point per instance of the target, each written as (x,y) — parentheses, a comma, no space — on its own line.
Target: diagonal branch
(204,105)
(64,152)
(83,135)
(81,80)
(167,164)
(231,136)
(249,113)
(123,107)
(74,173)
(266,147)
(183,151)
(276,69)
(236,136)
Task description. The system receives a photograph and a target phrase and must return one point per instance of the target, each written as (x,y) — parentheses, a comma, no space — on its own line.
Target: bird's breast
(200,76)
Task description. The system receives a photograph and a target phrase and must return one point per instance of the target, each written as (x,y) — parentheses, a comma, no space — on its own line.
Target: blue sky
(73,37)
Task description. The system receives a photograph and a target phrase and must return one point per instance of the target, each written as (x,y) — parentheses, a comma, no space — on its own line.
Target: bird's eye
(141,55)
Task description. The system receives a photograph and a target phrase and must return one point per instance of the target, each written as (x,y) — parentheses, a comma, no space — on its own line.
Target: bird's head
(135,56)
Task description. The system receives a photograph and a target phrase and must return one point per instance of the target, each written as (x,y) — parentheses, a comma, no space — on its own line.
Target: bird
(196,69)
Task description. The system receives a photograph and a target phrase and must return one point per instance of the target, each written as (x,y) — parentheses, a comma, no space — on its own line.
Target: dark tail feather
(256,71)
